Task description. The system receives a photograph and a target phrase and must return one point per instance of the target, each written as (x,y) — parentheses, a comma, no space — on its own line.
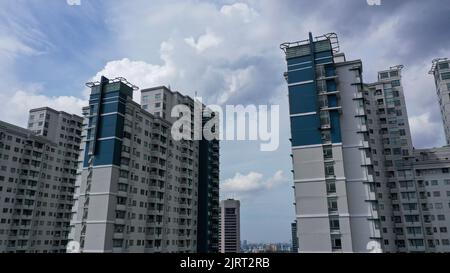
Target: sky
(227,52)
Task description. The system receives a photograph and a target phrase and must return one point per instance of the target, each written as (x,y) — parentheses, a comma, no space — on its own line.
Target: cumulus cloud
(251,182)
(426,132)
(241,10)
(205,41)
(15,106)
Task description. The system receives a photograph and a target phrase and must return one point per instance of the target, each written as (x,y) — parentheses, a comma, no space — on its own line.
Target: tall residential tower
(138,188)
(441,72)
(333,181)
(37,179)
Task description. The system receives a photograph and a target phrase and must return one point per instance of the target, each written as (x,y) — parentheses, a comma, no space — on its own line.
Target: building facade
(160,101)
(294,247)
(441,72)
(37,180)
(230,230)
(334,202)
(137,189)
(403,185)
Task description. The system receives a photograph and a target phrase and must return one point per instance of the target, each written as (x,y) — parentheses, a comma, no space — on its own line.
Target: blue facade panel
(324,61)
(86,155)
(302,98)
(111,126)
(331,86)
(109,151)
(323,54)
(330,71)
(335,127)
(299,60)
(111,94)
(332,101)
(300,75)
(110,107)
(305,130)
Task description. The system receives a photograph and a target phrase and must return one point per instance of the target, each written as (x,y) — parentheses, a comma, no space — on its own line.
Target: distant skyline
(226,51)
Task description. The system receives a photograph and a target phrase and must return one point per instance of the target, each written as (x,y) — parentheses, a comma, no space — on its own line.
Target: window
(336,243)
(334,224)
(158,96)
(384,75)
(332,204)
(415,242)
(327,152)
(436,193)
(394,73)
(324,118)
(443,229)
(434,183)
(414,230)
(329,169)
(157,105)
(441,217)
(117,242)
(443,66)
(331,187)
(326,136)
(445,76)
(395,83)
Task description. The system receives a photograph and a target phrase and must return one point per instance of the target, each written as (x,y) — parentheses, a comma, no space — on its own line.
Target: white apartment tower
(441,72)
(137,189)
(37,179)
(335,202)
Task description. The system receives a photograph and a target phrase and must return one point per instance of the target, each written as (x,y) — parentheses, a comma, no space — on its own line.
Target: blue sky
(226,51)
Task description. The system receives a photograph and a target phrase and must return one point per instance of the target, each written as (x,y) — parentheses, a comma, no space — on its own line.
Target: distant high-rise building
(441,72)
(294,237)
(37,180)
(148,197)
(334,204)
(230,238)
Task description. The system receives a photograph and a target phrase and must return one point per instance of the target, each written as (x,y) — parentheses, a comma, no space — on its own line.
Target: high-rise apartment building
(160,101)
(335,206)
(391,148)
(431,168)
(407,192)
(230,237)
(37,180)
(294,247)
(441,72)
(138,188)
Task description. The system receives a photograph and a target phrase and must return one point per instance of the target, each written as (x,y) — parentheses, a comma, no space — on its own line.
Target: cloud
(252,182)
(426,132)
(15,106)
(241,10)
(140,73)
(12,46)
(208,40)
